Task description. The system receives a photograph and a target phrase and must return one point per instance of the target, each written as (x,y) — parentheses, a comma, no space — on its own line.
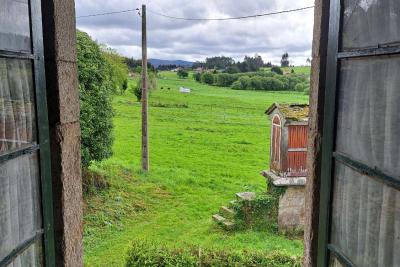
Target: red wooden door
(297,150)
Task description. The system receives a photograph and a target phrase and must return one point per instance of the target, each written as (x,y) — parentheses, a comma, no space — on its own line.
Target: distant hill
(157,62)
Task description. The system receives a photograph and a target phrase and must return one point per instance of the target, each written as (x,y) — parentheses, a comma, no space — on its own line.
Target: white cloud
(194,40)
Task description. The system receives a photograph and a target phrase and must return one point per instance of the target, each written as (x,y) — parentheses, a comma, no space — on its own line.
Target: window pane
(334,262)
(20,210)
(365,219)
(367,23)
(14,25)
(17,108)
(32,257)
(368,126)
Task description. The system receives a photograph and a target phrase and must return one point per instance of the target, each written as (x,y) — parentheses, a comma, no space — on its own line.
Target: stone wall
(59,33)
(291,210)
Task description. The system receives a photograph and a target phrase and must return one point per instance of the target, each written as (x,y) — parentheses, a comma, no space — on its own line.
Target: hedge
(261,80)
(151,254)
(96,89)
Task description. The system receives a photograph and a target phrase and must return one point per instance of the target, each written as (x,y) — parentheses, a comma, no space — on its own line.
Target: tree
(219,63)
(268,65)
(152,85)
(232,69)
(277,70)
(251,63)
(135,64)
(285,60)
(197,76)
(182,73)
(95,90)
(119,69)
(308,61)
(207,78)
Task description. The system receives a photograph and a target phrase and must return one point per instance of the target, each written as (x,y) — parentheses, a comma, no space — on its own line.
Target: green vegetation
(151,85)
(118,70)
(273,80)
(145,254)
(205,147)
(182,73)
(96,87)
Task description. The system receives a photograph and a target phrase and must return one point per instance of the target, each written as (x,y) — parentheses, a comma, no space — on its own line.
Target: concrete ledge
(283,181)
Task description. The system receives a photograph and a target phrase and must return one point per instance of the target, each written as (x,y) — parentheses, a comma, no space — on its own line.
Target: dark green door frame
(334,57)
(43,147)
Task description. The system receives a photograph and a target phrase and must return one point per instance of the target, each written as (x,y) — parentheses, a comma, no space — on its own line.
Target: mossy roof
(291,112)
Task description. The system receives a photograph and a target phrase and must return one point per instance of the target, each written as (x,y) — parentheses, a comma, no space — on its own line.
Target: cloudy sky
(195,40)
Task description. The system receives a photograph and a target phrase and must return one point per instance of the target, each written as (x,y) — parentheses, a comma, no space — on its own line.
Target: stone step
(227,212)
(228,225)
(245,196)
(218,218)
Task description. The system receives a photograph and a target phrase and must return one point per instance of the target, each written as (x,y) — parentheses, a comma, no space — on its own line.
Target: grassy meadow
(204,147)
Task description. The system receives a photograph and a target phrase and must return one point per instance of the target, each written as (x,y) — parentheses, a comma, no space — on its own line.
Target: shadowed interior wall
(317,93)
(59,32)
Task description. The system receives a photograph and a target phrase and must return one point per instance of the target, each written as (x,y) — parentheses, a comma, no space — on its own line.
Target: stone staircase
(226,216)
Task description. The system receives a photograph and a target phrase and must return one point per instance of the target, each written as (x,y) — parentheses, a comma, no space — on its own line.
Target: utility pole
(145,108)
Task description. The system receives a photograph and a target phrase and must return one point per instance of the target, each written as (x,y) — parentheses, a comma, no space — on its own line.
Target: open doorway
(209,134)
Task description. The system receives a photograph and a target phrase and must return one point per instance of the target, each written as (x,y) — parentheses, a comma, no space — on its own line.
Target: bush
(237,85)
(245,82)
(182,73)
(95,89)
(197,76)
(225,79)
(207,78)
(256,83)
(272,84)
(152,85)
(118,70)
(301,87)
(277,70)
(145,254)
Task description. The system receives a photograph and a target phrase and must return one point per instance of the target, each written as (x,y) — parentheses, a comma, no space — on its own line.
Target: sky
(171,39)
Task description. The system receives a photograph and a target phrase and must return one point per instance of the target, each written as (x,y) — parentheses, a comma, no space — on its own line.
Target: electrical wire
(107,13)
(200,19)
(232,18)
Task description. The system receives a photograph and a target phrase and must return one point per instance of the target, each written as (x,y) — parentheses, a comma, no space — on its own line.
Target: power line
(232,18)
(108,13)
(200,19)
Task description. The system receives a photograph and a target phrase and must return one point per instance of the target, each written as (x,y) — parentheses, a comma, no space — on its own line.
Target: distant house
(288,161)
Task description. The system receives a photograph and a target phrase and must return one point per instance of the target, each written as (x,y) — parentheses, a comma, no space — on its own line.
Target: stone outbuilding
(288,161)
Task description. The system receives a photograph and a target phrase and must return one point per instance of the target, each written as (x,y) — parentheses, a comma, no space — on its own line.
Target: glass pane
(32,257)
(367,23)
(17,108)
(365,219)
(334,262)
(14,25)
(20,210)
(368,126)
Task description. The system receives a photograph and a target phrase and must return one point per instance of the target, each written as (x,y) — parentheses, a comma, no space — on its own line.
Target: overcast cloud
(195,40)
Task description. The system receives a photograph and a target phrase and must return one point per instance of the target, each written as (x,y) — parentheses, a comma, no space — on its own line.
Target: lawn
(204,147)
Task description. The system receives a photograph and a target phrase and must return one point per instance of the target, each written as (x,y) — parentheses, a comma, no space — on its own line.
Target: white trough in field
(184,90)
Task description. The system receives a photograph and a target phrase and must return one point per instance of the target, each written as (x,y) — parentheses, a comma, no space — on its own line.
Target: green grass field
(204,147)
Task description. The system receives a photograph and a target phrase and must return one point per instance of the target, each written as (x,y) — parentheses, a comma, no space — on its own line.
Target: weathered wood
(145,109)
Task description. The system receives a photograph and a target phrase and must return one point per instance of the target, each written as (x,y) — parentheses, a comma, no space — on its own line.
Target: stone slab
(284,181)
(227,212)
(246,196)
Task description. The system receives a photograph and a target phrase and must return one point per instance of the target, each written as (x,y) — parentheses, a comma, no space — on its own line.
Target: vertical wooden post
(145,137)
